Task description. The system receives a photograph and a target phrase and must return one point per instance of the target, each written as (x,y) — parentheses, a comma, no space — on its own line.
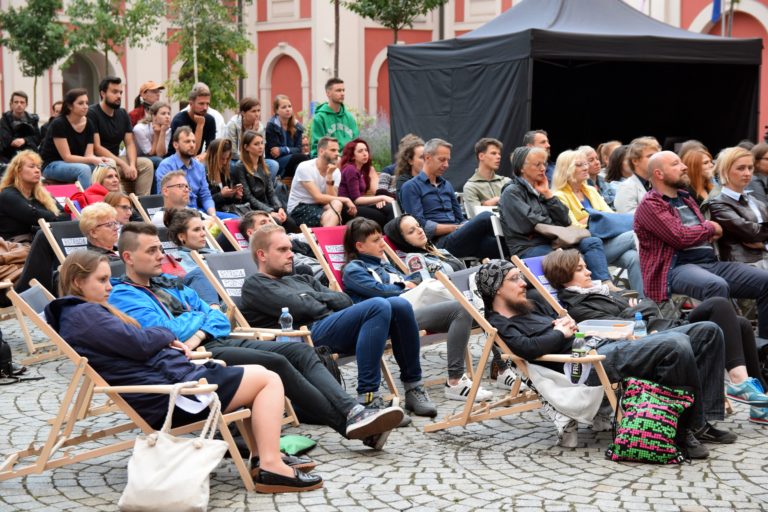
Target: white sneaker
(602,422)
(567,428)
(506,379)
(461,390)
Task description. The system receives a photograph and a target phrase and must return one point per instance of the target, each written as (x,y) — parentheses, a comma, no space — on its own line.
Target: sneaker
(372,421)
(377,441)
(710,434)
(507,378)
(568,435)
(602,422)
(749,392)
(378,404)
(692,447)
(417,400)
(758,415)
(462,388)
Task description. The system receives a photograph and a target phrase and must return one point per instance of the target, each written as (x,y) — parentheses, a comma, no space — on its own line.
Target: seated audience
(122,205)
(604,152)
(365,275)
(617,169)
(346,328)
(528,201)
(18,128)
(149,94)
(675,245)
(332,119)
(565,270)
(248,119)
(85,286)
(743,218)
(387,178)
(582,199)
(225,192)
(666,358)
(153,133)
(55,111)
(252,173)
(196,118)
(691,145)
(158,300)
(595,180)
(105,180)
(98,223)
(283,136)
(175,191)
(540,139)
(67,150)
(409,162)
(359,181)
(484,187)
(432,200)
(313,200)
(759,185)
(633,189)
(701,170)
(407,235)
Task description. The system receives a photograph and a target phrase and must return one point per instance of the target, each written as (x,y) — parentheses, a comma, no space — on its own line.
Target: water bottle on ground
(578,350)
(286,324)
(640,329)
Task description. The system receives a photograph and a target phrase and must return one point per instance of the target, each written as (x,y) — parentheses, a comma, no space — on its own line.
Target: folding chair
(63,192)
(77,407)
(64,237)
(147,206)
(516,401)
(230,229)
(33,301)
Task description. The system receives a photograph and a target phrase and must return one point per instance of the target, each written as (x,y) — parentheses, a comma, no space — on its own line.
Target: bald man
(676,253)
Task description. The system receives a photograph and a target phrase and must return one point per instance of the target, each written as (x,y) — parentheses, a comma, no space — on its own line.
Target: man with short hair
(313,199)
(346,328)
(540,139)
(484,187)
(202,124)
(431,199)
(183,159)
(667,357)
(676,253)
(154,299)
(18,128)
(55,111)
(331,119)
(632,190)
(149,93)
(175,190)
(112,126)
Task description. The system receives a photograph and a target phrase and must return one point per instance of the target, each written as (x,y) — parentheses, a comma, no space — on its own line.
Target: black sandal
(271,483)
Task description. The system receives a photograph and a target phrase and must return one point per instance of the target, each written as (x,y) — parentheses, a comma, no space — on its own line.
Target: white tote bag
(168,473)
(428,292)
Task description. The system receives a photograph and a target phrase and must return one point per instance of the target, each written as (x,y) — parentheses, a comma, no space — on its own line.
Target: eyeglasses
(512,278)
(111,225)
(125,207)
(180,186)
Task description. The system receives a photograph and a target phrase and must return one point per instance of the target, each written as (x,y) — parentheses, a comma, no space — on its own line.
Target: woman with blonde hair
(571,188)
(105,180)
(106,336)
(701,170)
(98,223)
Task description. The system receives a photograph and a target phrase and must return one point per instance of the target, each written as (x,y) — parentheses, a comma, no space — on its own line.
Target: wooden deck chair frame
(139,207)
(233,241)
(72,208)
(76,407)
(48,232)
(37,351)
(515,401)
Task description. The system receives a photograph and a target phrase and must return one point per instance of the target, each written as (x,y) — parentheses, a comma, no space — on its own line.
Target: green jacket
(327,123)
(477,189)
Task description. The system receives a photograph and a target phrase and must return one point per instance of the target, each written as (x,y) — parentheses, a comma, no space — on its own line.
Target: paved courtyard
(507,464)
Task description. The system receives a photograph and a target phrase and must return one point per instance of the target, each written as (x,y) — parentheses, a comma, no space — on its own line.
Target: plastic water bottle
(640,329)
(286,324)
(578,350)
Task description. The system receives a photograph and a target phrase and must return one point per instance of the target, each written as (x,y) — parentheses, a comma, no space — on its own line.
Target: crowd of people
(676,223)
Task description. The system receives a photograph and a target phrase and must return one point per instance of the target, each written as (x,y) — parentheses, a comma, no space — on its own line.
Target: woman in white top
(153,133)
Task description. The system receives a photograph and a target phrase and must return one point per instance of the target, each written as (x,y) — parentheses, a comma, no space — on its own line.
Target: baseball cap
(148,86)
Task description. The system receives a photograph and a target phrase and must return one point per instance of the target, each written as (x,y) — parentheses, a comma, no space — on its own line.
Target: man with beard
(667,357)
(112,126)
(18,128)
(197,118)
(676,253)
(184,160)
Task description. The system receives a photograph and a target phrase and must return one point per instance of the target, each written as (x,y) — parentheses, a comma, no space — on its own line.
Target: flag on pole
(715,10)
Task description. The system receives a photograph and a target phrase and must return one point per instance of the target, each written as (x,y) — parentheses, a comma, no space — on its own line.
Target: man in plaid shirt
(676,253)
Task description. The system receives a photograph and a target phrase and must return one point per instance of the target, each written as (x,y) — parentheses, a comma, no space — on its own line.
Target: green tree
(35,36)
(110,25)
(393,14)
(210,41)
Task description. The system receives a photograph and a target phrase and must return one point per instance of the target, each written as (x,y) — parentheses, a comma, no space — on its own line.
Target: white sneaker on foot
(461,390)
(567,428)
(506,379)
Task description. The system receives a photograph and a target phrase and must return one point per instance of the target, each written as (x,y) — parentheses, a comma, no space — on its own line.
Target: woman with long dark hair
(359,181)
(224,191)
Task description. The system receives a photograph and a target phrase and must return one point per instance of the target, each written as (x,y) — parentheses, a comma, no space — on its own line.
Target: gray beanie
(491,276)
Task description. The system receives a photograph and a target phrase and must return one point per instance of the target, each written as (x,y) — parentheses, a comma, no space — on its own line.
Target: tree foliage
(110,25)
(36,37)
(210,41)
(393,14)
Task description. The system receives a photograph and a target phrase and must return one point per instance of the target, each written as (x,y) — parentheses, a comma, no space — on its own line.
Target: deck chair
(147,206)
(63,192)
(230,229)
(77,408)
(516,400)
(64,237)
(29,303)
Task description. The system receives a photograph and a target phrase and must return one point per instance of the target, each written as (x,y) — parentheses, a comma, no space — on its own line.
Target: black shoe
(271,483)
(377,441)
(372,421)
(300,462)
(692,447)
(18,369)
(710,434)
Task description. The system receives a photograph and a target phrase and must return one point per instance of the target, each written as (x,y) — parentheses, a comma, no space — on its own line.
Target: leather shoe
(271,483)
(300,462)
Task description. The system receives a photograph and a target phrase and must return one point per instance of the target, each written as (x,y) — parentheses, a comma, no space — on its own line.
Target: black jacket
(258,191)
(19,215)
(740,226)
(12,128)
(594,306)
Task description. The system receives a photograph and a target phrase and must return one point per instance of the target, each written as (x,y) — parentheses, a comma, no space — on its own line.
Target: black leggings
(740,348)
(379,215)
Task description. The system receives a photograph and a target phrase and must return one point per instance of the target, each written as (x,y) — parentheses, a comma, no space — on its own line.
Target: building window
(481,10)
(283,10)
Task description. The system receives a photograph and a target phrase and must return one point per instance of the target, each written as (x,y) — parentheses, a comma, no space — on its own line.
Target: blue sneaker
(748,392)
(758,415)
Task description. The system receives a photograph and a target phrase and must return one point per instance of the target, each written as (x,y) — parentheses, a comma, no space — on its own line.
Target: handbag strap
(175,392)
(213,418)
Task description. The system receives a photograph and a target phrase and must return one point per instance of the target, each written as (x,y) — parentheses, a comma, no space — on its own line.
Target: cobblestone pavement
(509,464)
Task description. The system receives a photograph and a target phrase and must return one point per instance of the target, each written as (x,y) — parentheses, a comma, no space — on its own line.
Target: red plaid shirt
(661,234)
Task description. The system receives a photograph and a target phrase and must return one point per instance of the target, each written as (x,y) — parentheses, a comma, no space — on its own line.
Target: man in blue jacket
(156,299)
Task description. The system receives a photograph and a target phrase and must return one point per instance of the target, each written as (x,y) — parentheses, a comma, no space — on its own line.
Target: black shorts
(228,379)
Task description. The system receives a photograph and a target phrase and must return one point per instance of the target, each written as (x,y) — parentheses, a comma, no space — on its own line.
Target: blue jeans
(622,252)
(67,172)
(196,280)
(473,239)
(591,249)
(723,279)
(363,328)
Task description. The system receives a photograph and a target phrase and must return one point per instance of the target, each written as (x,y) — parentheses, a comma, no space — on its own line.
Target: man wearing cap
(149,93)
(666,357)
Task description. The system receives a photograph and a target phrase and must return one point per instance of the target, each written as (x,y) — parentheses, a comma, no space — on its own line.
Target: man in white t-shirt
(313,200)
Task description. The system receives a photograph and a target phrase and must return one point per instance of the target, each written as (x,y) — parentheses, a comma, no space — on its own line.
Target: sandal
(271,483)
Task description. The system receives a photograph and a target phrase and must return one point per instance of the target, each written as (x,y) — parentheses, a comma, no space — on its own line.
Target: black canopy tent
(586,71)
